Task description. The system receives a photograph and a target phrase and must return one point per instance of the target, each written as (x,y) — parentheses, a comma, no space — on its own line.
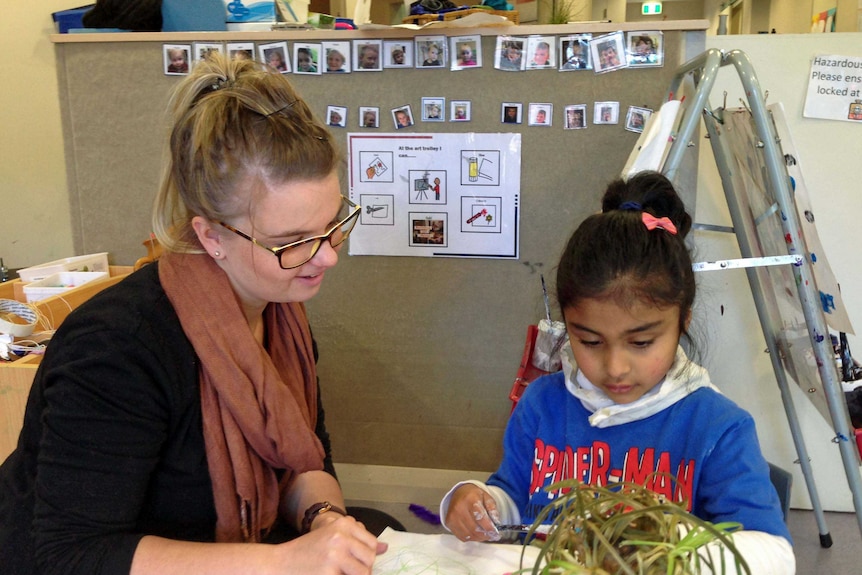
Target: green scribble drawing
(409,561)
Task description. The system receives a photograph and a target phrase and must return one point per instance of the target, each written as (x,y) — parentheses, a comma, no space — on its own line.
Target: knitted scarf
(259,407)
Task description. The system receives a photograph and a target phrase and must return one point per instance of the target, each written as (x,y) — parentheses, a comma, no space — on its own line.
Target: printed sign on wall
(428,195)
(835,89)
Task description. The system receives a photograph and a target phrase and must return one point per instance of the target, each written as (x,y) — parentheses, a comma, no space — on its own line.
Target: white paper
(654,142)
(416,553)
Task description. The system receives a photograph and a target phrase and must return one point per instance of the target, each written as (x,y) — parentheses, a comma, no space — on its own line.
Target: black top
(112,446)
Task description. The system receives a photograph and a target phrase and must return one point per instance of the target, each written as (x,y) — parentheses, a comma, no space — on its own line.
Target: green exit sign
(651,8)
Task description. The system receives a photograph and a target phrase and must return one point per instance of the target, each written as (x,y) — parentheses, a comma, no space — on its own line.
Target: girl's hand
(473,515)
(336,545)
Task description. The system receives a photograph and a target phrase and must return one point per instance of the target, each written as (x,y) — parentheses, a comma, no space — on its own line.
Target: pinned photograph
(606,113)
(403,117)
(636,118)
(576,117)
(575,52)
(369,117)
(608,52)
(275,56)
(336,116)
(540,114)
(240,50)
(541,52)
(433,109)
(428,229)
(460,111)
(306,58)
(366,55)
(645,49)
(511,113)
(466,52)
(509,53)
(337,55)
(204,49)
(397,54)
(176,59)
(430,51)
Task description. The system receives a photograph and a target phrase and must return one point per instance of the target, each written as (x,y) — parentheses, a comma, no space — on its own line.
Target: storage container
(87,263)
(58,283)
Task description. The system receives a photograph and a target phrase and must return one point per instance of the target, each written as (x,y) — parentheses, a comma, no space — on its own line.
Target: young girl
(628,401)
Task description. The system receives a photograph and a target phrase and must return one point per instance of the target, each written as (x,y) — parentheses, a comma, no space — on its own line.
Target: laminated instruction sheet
(453,195)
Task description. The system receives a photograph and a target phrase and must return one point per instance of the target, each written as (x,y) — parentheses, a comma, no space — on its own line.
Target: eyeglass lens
(298,255)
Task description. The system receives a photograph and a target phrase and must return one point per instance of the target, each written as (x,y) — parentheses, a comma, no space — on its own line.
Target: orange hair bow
(651,222)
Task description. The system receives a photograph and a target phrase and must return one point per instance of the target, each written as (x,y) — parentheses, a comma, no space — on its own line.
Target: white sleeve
(509,513)
(766,554)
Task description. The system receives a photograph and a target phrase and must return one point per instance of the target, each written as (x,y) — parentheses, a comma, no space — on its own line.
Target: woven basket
(421,19)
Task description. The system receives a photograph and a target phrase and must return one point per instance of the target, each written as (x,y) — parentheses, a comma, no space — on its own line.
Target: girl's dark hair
(614,255)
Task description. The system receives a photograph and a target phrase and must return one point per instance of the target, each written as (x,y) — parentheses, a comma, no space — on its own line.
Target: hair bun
(651,192)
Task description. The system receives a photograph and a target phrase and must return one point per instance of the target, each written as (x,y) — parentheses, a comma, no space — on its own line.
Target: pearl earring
(216,254)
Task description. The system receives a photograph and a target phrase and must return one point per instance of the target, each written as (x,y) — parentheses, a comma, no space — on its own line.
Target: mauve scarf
(259,408)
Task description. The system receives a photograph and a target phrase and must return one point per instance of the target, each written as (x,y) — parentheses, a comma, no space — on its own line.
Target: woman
(174,423)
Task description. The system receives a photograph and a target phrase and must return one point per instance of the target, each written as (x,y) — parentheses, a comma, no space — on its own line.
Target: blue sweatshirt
(704,440)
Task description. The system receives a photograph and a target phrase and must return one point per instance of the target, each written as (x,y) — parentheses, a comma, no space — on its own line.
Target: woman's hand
(473,515)
(336,545)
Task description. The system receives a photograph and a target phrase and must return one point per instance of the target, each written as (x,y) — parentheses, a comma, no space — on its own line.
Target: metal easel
(701,72)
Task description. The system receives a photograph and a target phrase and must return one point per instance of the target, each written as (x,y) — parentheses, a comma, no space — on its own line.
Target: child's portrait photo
(511,113)
(608,52)
(576,117)
(460,111)
(306,58)
(575,52)
(366,55)
(645,49)
(541,53)
(275,56)
(466,52)
(433,109)
(430,51)
(540,114)
(176,59)
(606,113)
(403,117)
(240,50)
(204,49)
(397,54)
(336,116)
(336,55)
(509,53)
(636,118)
(369,117)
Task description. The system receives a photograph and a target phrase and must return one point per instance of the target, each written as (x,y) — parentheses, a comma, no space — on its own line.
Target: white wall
(830,155)
(35,221)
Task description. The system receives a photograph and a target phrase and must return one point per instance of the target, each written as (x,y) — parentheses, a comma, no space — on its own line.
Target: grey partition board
(417,354)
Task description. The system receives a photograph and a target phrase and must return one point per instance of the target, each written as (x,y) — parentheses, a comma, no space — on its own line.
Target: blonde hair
(236,124)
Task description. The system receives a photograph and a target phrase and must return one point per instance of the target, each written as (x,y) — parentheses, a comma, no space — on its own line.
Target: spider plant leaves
(627,529)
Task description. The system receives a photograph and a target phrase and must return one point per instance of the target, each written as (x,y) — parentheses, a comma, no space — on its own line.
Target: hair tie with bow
(651,222)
